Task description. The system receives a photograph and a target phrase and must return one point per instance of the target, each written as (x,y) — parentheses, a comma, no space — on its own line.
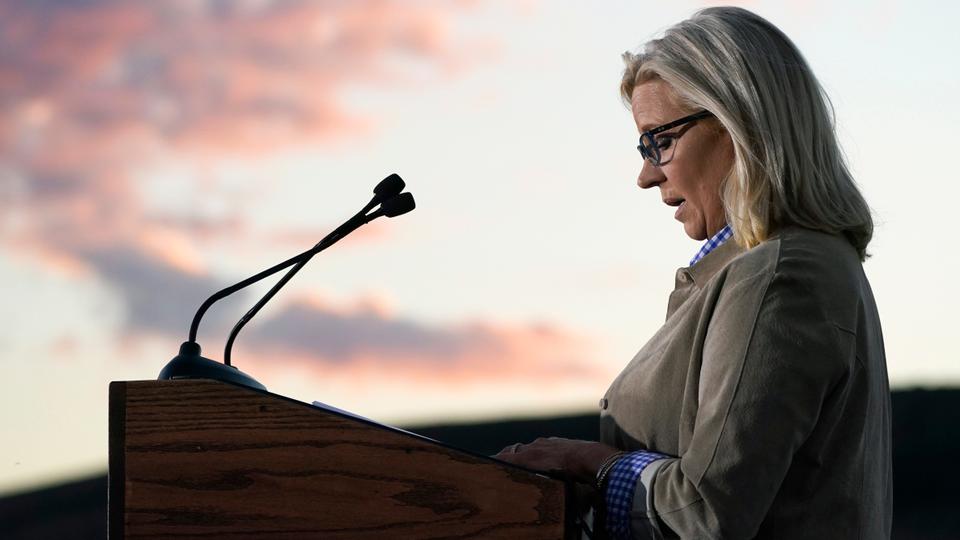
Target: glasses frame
(654,155)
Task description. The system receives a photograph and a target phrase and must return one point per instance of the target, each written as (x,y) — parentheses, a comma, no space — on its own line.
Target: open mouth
(677,203)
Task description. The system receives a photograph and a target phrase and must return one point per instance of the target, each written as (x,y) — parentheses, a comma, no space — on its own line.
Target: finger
(512,449)
(509,451)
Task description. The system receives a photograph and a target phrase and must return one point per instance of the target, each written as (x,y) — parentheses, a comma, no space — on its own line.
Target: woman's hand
(574,459)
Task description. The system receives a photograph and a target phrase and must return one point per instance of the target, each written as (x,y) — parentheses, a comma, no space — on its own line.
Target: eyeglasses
(658,150)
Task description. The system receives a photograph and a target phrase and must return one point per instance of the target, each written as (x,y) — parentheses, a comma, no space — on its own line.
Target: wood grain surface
(204,459)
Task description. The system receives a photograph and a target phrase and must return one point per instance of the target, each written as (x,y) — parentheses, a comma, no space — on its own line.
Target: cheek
(709,195)
(699,172)
(715,168)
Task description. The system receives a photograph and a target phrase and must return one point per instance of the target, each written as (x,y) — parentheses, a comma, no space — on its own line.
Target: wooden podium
(206,459)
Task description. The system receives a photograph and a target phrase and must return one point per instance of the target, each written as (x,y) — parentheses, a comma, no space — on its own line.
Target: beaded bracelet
(605,469)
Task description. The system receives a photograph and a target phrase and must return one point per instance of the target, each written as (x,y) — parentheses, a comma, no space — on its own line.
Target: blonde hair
(788,166)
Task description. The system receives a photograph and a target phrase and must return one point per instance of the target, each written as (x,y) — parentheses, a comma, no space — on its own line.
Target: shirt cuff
(620,490)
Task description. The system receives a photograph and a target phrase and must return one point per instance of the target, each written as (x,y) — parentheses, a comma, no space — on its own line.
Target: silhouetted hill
(926,448)
(73,510)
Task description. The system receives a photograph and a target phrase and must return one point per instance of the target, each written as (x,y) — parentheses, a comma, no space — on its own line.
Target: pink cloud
(366,338)
(214,75)
(92,93)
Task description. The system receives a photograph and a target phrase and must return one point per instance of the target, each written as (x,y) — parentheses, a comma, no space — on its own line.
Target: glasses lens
(648,149)
(666,145)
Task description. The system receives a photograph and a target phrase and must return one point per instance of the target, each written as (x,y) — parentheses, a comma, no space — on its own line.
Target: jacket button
(603,404)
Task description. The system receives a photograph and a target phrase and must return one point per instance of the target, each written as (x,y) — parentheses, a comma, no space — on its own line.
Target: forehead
(654,103)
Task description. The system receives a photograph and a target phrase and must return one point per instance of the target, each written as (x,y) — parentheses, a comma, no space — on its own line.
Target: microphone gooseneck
(388,195)
(397,204)
(387,188)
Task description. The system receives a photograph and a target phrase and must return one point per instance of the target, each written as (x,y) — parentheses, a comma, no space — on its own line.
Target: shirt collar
(709,265)
(713,243)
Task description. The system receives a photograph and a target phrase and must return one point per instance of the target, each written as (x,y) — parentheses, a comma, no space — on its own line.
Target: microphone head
(399,205)
(389,187)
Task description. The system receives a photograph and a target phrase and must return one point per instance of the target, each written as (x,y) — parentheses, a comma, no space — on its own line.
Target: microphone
(398,204)
(188,364)
(393,207)
(389,187)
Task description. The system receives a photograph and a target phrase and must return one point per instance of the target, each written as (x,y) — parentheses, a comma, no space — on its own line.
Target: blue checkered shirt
(713,243)
(621,485)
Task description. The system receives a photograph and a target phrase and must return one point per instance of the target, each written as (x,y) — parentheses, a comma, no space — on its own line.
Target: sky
(152,153)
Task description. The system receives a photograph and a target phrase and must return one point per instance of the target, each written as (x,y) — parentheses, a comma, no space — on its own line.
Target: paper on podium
(322,405)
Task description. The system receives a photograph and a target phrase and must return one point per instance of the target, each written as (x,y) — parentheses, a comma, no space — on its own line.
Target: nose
(650,176)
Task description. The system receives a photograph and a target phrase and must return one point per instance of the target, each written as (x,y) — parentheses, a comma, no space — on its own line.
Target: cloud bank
(367,335)
(95,94)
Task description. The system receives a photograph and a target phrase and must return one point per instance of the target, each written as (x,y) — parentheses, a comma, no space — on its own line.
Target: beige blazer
(767,386)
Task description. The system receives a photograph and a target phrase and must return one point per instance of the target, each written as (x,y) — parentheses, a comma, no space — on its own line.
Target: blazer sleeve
(770,358)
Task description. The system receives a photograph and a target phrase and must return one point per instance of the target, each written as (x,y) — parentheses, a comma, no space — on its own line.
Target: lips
(677,202)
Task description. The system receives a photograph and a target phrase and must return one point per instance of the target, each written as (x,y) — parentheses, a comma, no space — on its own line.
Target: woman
(761,408)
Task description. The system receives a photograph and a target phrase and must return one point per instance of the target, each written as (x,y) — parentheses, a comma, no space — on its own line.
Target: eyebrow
(648,127)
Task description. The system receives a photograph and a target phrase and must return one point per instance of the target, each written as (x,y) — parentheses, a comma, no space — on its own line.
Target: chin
(695,232)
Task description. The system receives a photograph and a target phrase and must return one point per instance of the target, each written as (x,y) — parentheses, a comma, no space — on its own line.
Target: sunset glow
(153,153)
